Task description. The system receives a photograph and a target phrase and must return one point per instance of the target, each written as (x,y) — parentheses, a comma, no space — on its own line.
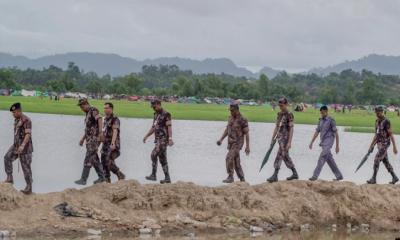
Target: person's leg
(320,164)
(238,166)
(26,161)
(98,167)
(389,167)
(105,162)
(87,164)
(277,164)
(113,166)
(378,158)
(333,166)
(289,164)
(230,165)
(154,161)
(9,158)
(164,163)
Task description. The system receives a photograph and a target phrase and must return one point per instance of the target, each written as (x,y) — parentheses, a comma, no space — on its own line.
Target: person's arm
(390,132)
(100,122)
(115,127)
(169,129)
(149,133)
(27,136)
(247,150)
(313,139)
(291,127)
(219,142)
(371,147)
(337,142)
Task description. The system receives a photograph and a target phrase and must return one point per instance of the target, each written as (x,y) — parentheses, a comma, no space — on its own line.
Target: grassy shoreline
(357,121)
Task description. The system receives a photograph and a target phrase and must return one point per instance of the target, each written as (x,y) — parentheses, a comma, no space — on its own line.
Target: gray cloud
(277,33)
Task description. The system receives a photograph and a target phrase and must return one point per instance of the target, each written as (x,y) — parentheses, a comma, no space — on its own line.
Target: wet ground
(58,160)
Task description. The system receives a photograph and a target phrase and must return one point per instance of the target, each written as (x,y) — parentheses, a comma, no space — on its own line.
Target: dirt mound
(128,206)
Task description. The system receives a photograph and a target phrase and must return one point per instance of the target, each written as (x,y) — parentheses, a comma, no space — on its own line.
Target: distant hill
(115,65)
(374,62)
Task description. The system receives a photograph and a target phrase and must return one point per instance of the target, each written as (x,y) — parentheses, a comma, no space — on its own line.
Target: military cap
(155,102)
(15,106)
(283,101)
(379,109)
(83,101)
(324,108)
(234,104)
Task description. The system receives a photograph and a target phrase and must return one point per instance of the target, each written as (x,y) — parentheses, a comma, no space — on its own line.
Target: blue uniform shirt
(327,129)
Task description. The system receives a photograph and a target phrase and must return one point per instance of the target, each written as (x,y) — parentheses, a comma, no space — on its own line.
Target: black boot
(395,179)
(373,179)
(274,177)
(100,173)
(9,179)
(85,175)
(294,175)
(229,179)
(153,175)
(166,173)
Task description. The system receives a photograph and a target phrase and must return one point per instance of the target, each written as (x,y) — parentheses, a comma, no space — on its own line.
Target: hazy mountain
(270,72)
(115,65)
(375,63)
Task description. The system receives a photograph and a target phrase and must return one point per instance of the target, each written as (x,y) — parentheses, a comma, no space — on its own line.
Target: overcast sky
(287,34)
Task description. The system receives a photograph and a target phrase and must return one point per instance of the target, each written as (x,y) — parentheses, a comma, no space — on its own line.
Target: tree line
(347,87)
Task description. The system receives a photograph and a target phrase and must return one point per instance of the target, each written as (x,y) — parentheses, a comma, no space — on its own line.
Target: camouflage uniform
(284,123)
(237,128)
(108,155)
(161,122)
(382,130)
(92,132)
(22,126)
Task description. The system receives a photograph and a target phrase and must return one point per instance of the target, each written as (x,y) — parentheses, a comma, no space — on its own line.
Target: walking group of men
(107,134)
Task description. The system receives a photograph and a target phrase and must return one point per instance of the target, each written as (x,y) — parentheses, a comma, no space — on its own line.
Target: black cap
(324,108)
(15,106)
(155,102)
(379,109)
(83,101)
(283,101)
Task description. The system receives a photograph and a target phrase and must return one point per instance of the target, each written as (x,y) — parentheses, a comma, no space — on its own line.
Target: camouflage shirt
(161,122)
(111,123)
(23,126)
(237,128)
(284,122)
(382,130)
(91,124)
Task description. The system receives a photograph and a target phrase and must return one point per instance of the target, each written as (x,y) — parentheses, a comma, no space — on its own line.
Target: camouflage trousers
(283,155)
(382,156)
(25,159)
(92,158)
(159,153)
(233,162)
(108,157)
(326,157)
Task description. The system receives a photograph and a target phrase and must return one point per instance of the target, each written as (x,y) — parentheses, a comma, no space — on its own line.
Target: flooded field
(58,159)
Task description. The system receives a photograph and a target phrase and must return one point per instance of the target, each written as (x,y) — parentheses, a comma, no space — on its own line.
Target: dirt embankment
(127,207)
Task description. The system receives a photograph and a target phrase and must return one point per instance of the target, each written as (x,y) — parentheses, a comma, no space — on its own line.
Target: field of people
(356,121)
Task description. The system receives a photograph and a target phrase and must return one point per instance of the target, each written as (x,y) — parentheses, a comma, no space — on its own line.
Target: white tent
(27,93)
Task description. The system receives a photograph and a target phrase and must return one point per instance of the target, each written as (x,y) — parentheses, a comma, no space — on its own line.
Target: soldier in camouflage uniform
(284,134)
(93,136)
(162,130)
(237,131)
(22,148)
(383,138)
(112,143)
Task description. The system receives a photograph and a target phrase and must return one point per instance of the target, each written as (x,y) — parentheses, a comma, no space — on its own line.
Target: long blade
(266,158)
(363,161)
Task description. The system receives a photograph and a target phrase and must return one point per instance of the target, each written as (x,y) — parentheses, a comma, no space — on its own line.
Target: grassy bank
(357,121)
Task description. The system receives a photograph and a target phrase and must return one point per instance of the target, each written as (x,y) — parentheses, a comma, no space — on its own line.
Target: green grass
(357,121)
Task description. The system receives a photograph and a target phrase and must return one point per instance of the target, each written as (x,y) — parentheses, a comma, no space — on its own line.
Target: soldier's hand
(247,150)
(170,142)
(289,146)
(310,146)
(101,137)
(113,147)
(81,142)
(337,149)
(20,149)
(395,150)
(219,142)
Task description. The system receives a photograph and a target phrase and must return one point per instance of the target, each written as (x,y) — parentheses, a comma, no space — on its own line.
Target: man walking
(112,143)
(237,131)
(162,130)
(328,133)
(22,148)
(383,138)
(93,136)
(284,134)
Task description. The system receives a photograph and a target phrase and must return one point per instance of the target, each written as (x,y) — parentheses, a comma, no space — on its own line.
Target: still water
(58,159)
